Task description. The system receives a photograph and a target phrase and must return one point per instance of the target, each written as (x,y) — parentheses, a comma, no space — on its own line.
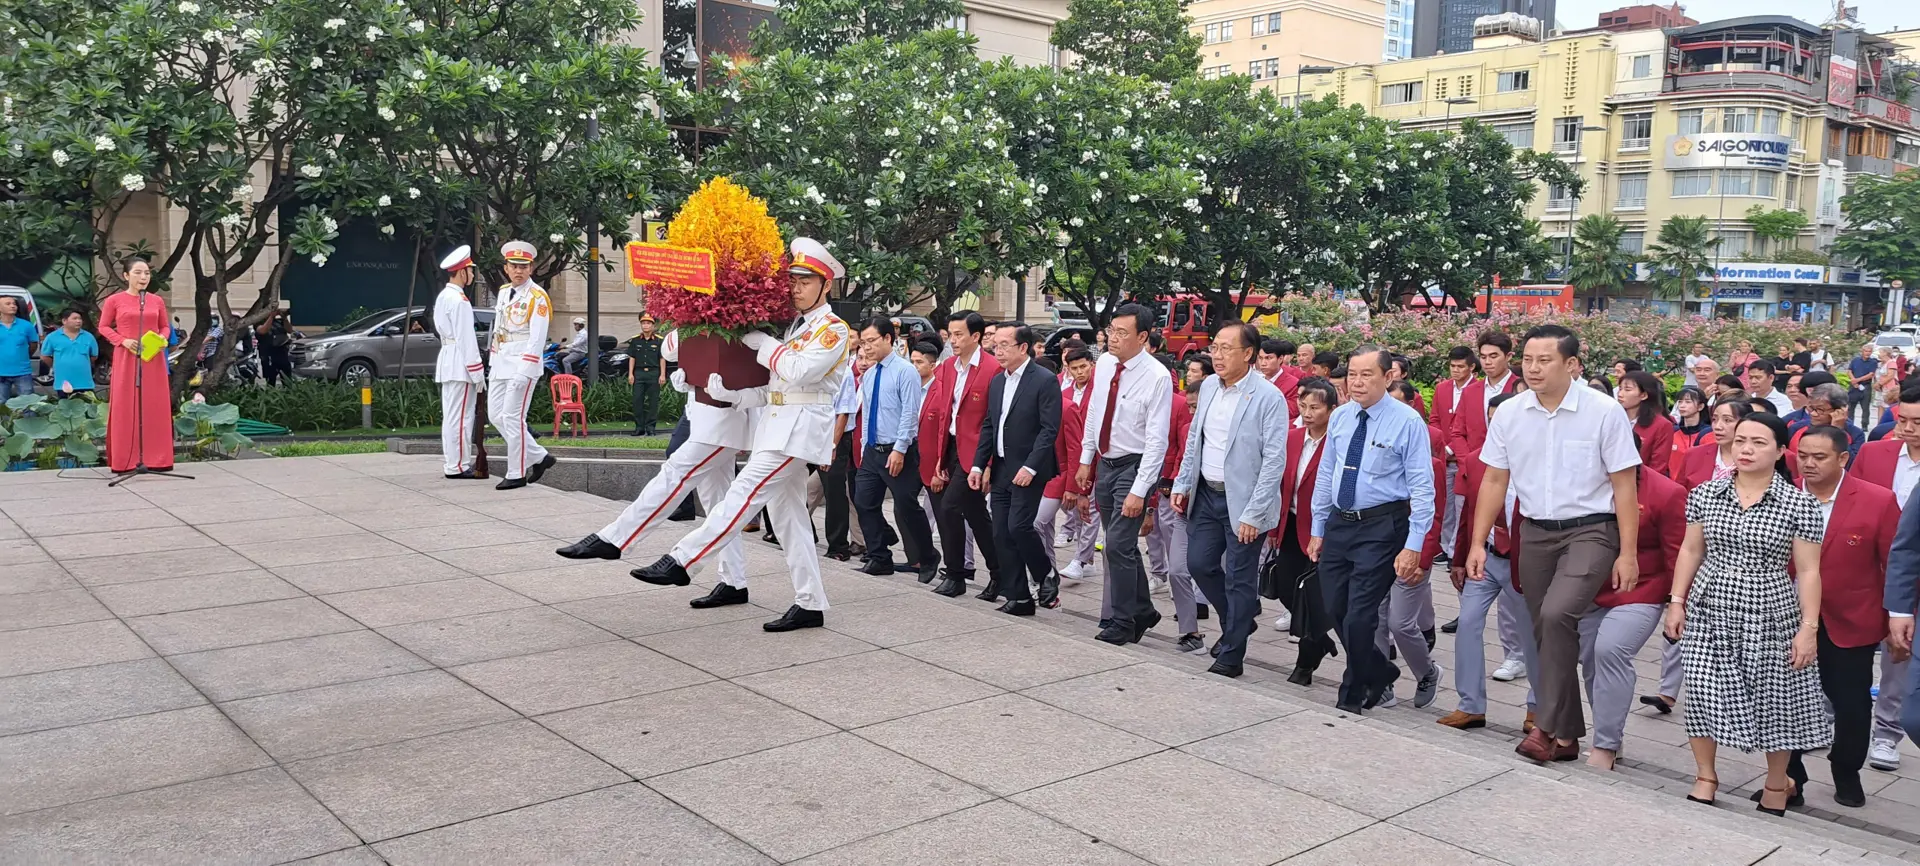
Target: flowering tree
(1149,38)
(1883,225)
(891,154)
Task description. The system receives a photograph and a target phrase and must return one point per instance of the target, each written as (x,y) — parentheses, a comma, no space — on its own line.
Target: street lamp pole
(593,260)
(1300,74)
(1458,100)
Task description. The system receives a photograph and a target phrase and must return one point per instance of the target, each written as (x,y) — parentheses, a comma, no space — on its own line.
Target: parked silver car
(371,347)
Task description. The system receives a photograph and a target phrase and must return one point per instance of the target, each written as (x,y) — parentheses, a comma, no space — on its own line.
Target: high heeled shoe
(1782,811)
(1715,782)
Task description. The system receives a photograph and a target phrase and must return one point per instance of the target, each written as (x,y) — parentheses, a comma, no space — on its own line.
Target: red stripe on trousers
(676,492)
(465,434)
(736,517)
(524,435)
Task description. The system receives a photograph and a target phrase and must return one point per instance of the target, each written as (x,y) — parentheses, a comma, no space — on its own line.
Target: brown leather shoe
(1536,747)
(1463,720)
(1527,726)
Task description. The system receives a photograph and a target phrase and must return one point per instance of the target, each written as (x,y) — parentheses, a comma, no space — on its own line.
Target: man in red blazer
(950,419)
(1861,521)
(1621,623)
(1894,462)
(1470,413)
(1446,396)
(1064,491)
(1273,363)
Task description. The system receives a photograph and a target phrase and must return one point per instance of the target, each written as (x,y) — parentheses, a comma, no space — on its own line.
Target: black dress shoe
(1143,625)
(1376,695)
(1106,624)
(540,468)
(663,572)
(841,554)
(1226,670)
(1115,635)
(1452,626)
(1214,650)
(468,474)
(876,568)
(928,573)
(1018,608)
(988,593)
(771,538)
(510,484)
(1428,634)
(1301,677)
(1049,592)
(1349,709)
(951,587)
(1847,791)
(591,547)
(796,617)
(721,596)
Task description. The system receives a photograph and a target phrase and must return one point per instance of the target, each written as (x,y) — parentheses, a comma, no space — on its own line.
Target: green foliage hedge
(313,404)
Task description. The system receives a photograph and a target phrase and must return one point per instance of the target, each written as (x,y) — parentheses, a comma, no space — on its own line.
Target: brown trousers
(1560,573)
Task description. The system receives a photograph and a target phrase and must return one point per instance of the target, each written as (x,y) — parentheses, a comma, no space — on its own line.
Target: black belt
(1122,459)
(1384,509)
(1571,523)
(1215,486)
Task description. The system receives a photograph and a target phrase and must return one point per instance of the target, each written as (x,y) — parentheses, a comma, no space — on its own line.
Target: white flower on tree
(384,200)
(413,192)
(231,220)
(372,33)
(188,7)
(335,23)
(330,225)
(310,170)
(243,192)
(386,113)
(60,158)
(387,230)
(556,237)
(132,182)
(103,144)
(319,260)
(417,25)
(316,63)
(262,66)
(491,83)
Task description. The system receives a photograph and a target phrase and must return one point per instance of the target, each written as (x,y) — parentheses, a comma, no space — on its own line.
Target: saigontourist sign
(1728,150)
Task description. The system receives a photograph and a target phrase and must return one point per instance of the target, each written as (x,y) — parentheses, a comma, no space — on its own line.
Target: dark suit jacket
(1031,429)
(1903,564)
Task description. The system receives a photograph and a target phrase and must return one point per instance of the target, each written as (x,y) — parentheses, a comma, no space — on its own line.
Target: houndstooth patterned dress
(1742,614)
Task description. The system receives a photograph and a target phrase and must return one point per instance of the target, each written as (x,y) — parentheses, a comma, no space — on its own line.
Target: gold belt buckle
(777,398)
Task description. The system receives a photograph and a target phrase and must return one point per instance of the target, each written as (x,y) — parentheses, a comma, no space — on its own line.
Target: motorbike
(613,361)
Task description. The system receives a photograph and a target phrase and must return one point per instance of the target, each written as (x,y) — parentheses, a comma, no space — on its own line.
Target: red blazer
(1430,549)
(936,414)
(1663,525)
(1443,405)
(1698,466)
(1469,430)
(1853,562)
(1656,442)
(1288,381)
(1468,475)
(1876,462)
(1066,446)
(1676,465)
(1303,527)
(1181,421)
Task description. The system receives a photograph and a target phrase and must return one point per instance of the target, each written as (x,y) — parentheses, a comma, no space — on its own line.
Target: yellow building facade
(1266,39)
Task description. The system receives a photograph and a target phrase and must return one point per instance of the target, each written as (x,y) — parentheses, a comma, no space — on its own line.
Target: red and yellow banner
(665,264)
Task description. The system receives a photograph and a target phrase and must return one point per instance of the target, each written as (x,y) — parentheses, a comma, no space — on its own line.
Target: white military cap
(810,257)
(517,252)
(460,259)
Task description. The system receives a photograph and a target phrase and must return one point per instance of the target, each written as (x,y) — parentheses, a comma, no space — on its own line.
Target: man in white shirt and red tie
(1126,436)
(1569,453)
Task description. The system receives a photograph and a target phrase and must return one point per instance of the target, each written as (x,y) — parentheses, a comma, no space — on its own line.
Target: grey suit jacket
(1256,451)
(1903,563)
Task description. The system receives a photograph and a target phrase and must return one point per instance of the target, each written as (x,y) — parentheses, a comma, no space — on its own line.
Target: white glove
(678,379)
(483,385)
(757,341)
(750,398)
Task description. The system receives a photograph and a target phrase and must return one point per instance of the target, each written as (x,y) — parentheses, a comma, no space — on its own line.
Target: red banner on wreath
(665,264)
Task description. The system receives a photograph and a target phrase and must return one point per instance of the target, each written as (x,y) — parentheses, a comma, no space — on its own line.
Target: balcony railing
(1635,203)
(1636,143)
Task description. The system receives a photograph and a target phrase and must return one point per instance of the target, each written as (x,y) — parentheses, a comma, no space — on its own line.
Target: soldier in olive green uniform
(646,374)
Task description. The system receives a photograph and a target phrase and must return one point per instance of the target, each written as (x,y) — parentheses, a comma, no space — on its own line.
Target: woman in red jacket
(1621,622)
(1645,400)
(1299,591)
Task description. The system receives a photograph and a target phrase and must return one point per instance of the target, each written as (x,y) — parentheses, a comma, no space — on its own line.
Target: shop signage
(1767,272)
(1728,150)
(1843,78)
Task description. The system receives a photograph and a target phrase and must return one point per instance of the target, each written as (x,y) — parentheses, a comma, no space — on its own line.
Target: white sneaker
(1510,670)
(1883,755)
(1157,586)
(1073,572)
(1283,622)
(1389,702)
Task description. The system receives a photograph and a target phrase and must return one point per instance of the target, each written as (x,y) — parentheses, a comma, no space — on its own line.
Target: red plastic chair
(567,401)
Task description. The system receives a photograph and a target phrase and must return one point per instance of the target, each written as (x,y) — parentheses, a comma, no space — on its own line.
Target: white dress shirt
(1007,391)
(1308,447)
(1560,460)
(960,374)
(1781,405)
(1218,426)
(1906,471)
(1826,505)
(1142,415)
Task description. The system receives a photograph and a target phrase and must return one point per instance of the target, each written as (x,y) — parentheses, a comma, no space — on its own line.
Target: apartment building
(1446,26)
(1708,120)
(1265,39)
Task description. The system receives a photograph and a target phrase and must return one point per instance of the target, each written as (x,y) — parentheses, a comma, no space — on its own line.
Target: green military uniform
(643,359)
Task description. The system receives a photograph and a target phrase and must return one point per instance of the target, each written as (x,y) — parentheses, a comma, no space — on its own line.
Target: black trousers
(1015,510)
(956,509)
(836,487)
(276,363)
(646,401)
(1356,570)
(1846,675)
(871,485)
(1300,592)
(1860,406)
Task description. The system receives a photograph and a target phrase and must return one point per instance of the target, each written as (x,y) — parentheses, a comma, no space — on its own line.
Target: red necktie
(1113,402)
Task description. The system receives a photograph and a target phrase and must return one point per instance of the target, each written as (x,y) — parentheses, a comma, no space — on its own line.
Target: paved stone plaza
(354,660)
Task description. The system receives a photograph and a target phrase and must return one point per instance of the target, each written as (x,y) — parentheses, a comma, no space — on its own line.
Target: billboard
(1728,150)
(1524,299)
(1843,77)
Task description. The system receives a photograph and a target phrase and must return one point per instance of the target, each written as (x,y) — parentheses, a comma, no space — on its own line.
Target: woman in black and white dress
(1749,626)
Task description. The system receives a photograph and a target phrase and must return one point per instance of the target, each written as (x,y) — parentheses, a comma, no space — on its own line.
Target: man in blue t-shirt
(71,351)
(18,336)
(1860,393)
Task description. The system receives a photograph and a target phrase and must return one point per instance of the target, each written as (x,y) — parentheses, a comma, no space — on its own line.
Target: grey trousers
(1671,674)
(1609,639)
(1400,616)
(1450,521)
(1167,555)
(1085,534)
(1126,581)
(1470,643)
(1886,709)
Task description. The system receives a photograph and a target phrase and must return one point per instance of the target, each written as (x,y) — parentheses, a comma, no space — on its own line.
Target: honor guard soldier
(646,374)
(716,437)
(458,369)
(792,428)
(521,312)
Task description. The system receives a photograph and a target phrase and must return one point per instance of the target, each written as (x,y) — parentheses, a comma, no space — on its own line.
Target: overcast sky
(1875,15)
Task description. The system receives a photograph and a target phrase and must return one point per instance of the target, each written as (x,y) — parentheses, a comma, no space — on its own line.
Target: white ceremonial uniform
(520,317)
(460,374)
(703,464)
(793,426)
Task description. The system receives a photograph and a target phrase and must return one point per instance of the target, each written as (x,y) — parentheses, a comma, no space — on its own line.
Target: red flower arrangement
(743,299)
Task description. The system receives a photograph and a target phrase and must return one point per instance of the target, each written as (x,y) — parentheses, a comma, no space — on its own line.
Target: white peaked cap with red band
(810,257)
(517,252)
(460,259)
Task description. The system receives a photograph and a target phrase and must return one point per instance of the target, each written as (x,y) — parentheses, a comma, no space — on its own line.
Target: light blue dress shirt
(1396,464)
(896,418)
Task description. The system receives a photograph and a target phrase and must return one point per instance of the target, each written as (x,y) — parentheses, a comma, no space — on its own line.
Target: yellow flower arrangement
(725,218)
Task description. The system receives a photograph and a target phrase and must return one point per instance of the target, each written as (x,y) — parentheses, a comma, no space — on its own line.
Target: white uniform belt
(798,398)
